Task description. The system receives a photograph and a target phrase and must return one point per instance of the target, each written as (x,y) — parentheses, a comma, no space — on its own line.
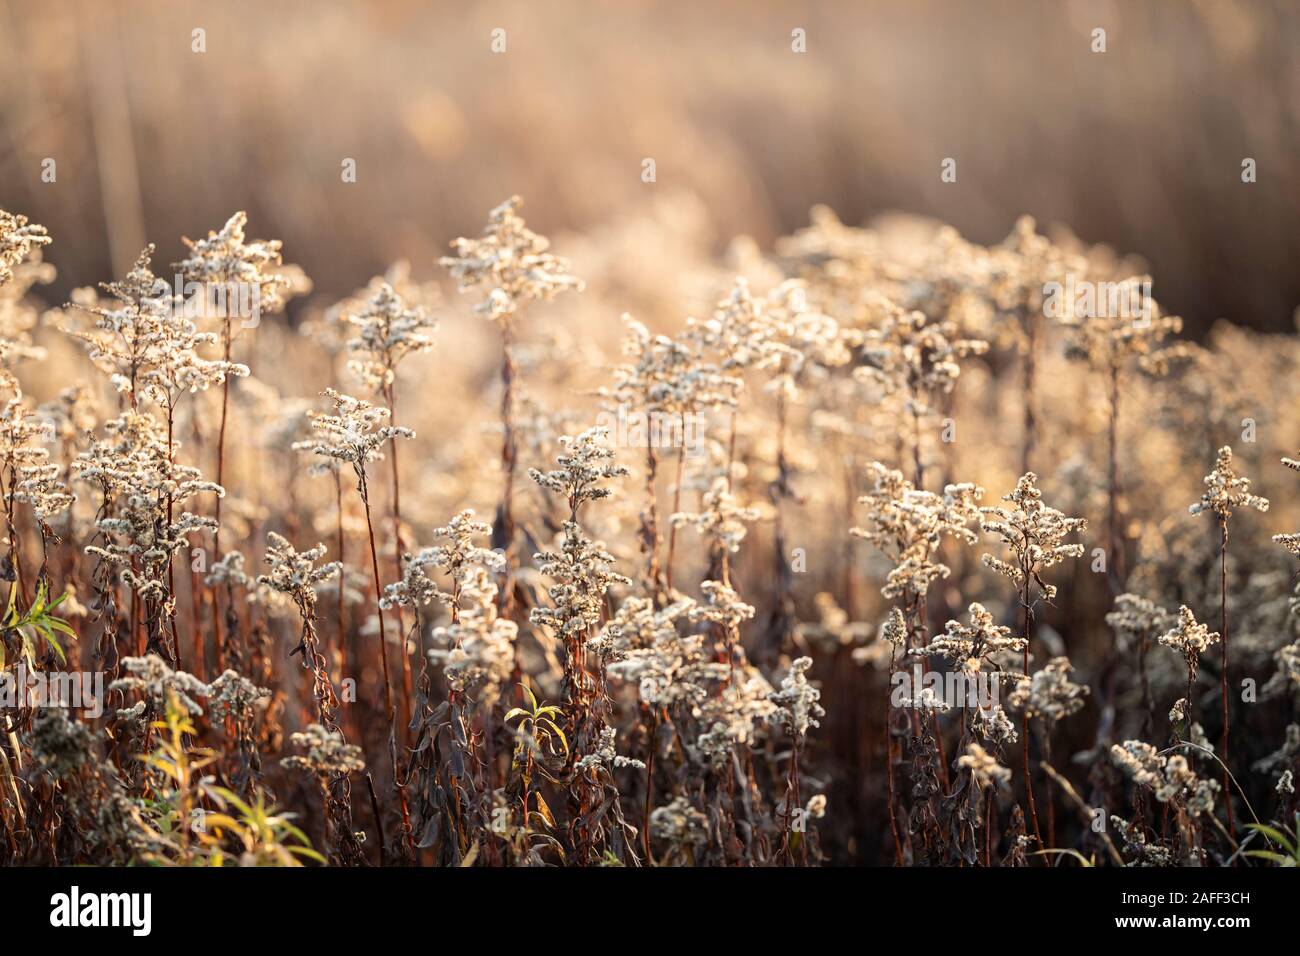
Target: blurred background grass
(1140,147)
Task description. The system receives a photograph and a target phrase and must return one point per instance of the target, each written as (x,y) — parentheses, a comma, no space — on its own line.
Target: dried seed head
(907,525)
(971,647)
(1225,490)
(225,257)
(152,677)
(356,432)
(510,262)
(388,330)
(798,701)
(327,753)
(1188,637)
(984,767)
(1034,535)
(18,239)
(1050,694)
(294,572)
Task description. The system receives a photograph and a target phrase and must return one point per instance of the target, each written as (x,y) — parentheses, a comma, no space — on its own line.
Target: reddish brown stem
(1223,667)
(650,781)
(383,650)
(390,393)
(677,506)
(221,471)
(1024,727)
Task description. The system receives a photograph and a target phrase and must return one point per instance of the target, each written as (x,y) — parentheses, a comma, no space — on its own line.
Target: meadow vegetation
(440,575)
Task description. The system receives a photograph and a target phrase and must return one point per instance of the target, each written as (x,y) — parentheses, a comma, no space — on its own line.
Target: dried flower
(226,258)
(907,525)
(679,824)
(798,700)
(477,651)
(18,238)
(149,344)
(233,695)
(327,753)
(720,520)
(1170,778)
(1050,694)
(388,330)
(971,646)
(1033,533)
(510,261)
(1225,490)
(1189,639)
(294,572)
(1135,620)
(984,767)
(152,677)
(584,462)
(913,355)
(356,432)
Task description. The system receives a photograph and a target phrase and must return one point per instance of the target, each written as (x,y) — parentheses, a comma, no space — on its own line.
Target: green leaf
(49,639)
(558,732)
(1273,834)
(61,626)
(228,795)
(306,851)
(1277,858)
(1083,860)
(297,834)
(545,811)
(11,613)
